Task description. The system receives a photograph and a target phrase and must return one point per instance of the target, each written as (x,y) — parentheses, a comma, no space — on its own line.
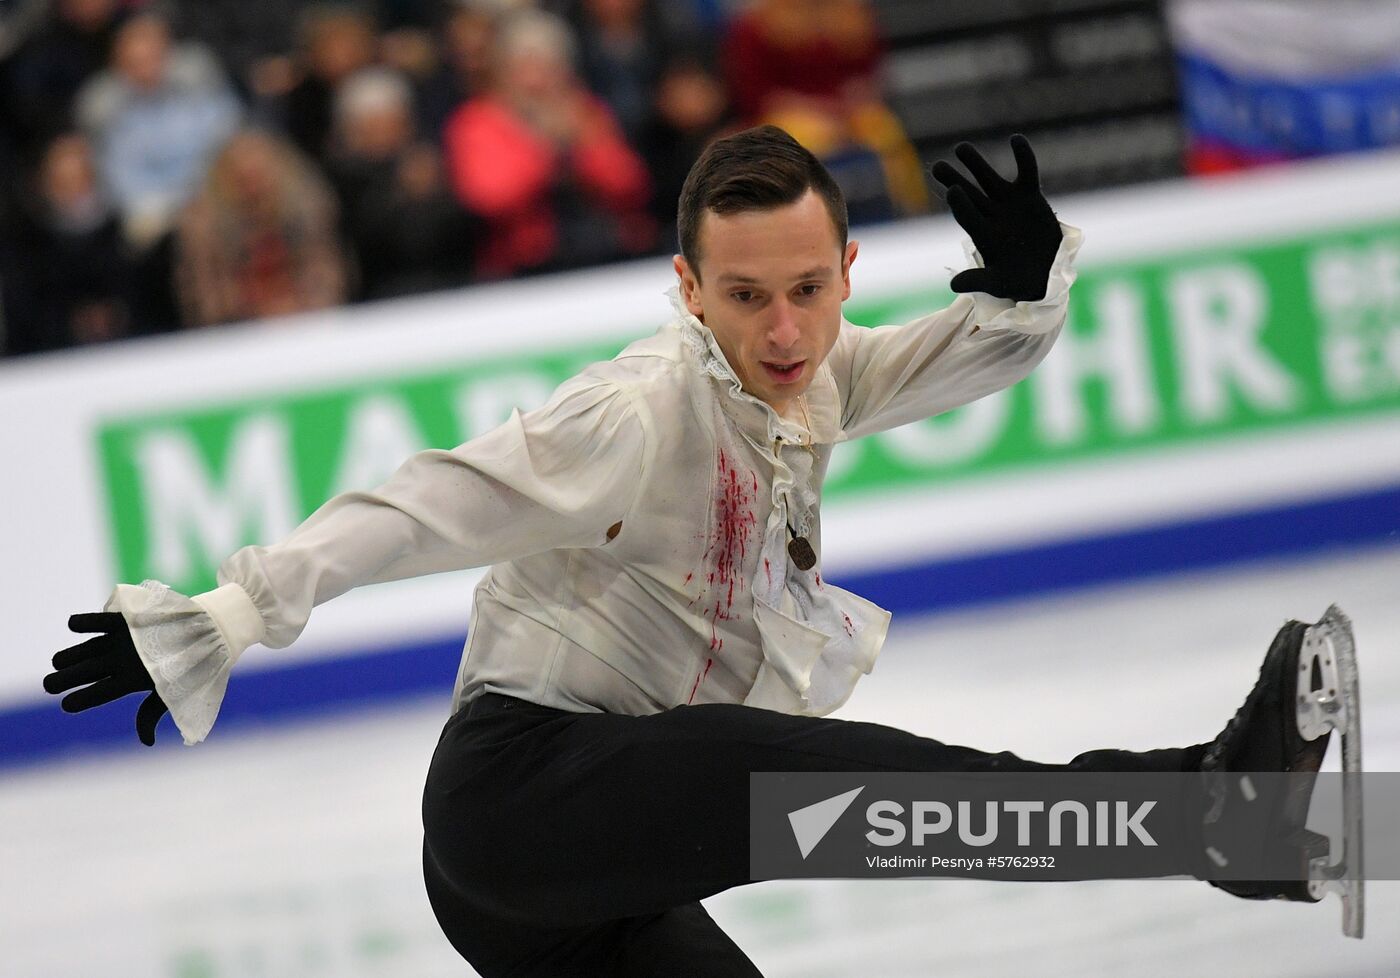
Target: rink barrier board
(1296,269)
(1198,355)
(317,689)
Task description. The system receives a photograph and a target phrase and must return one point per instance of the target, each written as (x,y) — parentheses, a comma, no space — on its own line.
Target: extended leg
(569,819)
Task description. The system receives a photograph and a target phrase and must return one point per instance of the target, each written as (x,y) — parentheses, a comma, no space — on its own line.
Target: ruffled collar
(821,401)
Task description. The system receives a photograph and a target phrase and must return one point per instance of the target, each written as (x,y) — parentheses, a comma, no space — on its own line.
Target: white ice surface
(292,852)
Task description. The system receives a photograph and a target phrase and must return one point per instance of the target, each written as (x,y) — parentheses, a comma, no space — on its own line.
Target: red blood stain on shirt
(733,526)
(699,678)
(732,531)
(850,626)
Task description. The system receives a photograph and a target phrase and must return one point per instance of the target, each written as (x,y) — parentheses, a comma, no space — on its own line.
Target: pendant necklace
(799,548)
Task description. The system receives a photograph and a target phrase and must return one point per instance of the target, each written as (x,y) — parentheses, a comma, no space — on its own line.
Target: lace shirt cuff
(188,645)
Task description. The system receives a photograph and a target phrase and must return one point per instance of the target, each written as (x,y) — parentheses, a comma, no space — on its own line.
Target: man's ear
(852,247)
(689,286)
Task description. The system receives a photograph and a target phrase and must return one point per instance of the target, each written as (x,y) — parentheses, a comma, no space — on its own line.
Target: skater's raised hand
(1009,221)
(108,668)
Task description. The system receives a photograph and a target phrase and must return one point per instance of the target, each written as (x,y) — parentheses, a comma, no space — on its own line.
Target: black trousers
(580,844)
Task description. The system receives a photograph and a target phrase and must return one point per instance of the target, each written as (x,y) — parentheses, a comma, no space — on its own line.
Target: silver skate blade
(1329,698)
(1352,892)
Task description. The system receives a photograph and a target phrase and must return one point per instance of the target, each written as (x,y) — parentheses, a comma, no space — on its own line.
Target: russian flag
(1270,80)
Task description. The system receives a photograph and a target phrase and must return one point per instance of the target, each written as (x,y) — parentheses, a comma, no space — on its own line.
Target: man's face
(771,289)
(141,51)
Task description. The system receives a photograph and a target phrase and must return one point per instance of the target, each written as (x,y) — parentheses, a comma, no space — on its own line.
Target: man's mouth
(784,373)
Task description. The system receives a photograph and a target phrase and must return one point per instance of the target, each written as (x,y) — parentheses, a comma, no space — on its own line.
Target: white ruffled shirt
(693,599)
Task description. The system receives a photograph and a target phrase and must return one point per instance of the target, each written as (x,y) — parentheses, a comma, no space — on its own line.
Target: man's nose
(783,331)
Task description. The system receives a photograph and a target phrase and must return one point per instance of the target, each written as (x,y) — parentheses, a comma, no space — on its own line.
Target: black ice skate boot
(1307,687)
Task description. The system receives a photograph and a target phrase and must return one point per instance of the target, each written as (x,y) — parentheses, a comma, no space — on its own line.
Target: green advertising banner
(1177,350)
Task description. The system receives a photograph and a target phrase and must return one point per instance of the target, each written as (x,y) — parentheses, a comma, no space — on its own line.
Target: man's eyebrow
(818,271)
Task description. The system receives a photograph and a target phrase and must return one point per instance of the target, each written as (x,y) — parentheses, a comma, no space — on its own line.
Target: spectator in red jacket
(819,56)
(812,67)
(544,161)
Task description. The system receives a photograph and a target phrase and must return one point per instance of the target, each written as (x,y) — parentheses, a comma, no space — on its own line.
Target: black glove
(110,663)
(1010,222)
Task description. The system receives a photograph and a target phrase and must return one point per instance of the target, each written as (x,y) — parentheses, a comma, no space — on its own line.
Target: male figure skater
(654,625)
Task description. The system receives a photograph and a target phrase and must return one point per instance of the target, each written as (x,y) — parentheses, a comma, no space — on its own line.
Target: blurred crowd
(173,165)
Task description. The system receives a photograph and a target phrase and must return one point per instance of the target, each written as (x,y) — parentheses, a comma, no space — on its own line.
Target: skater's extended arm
(993,335)
(556,477)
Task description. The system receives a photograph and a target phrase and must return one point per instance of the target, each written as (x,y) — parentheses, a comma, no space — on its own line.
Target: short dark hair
(754,170)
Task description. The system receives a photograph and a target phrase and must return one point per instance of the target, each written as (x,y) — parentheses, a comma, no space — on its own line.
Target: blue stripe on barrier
(41,731)
(1369,519)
